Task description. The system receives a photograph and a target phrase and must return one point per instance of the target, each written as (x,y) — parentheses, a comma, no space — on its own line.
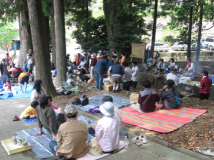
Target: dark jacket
(101,65)
(169,94)
(4,71)
(117,69)
(149,105)
(110,63)
(82,73)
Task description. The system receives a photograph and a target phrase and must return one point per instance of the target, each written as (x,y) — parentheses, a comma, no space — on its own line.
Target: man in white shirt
(190,68)
(173,76)
(135,75)
(127,76)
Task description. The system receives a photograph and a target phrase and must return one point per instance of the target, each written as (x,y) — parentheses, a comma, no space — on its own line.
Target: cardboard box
(134,97)
(108,88)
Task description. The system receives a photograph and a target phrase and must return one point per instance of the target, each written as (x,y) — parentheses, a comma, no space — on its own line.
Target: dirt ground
(198,133)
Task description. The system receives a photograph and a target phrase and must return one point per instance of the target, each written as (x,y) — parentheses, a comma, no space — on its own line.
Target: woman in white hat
(107,131)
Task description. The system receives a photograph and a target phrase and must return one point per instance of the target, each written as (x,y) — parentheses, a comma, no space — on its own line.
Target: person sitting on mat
(107,131)
(8,85)
(168,94)
(71,136)
(23,80)
(147,99)
(83,73)
(47,118)
(38,91)
(30,112)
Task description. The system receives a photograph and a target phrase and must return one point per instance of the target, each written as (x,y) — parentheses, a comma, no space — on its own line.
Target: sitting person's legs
(53,145)
(166,104)
(136,108)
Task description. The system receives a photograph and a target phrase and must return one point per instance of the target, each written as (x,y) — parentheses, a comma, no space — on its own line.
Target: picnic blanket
(5,95)
(91,157)
(163,121)
(97,101)
(40,144)
(30,120)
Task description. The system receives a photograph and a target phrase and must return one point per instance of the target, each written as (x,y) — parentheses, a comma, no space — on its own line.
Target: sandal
(137,141)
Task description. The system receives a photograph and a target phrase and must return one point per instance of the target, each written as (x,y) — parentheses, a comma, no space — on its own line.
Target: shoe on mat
(143,139)
(137,141)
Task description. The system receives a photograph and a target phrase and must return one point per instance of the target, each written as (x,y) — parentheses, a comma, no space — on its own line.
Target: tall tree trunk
(61,60)
(53,43)
(25,37)
(110,11)
(199,34)
(154,27)
(40,45)
(189,33)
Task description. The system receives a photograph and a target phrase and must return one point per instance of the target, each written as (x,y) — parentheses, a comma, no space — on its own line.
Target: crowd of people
(11,71)
(69,134)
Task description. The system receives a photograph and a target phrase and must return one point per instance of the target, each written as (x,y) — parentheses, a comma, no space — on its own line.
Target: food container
(13,148)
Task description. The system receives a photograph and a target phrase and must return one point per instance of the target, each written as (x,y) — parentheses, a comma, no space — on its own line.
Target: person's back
(16,72)
(148,105)
(107,133)
(173,77)
(101,64)
(168,94)
(117,69)
(206,83)
(71,137)
(47,119)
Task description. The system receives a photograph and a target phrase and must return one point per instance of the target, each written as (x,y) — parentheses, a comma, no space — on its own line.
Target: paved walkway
(9,108)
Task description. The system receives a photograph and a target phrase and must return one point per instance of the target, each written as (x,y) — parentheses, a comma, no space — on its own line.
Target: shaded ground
(198,133)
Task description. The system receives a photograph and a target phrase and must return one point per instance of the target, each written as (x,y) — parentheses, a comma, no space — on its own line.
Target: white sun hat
(107,109)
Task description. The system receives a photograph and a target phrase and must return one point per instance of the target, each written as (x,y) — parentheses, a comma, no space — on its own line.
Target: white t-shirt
(172,77)
(192,66)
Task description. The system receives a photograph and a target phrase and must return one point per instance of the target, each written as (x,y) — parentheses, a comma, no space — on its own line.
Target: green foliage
(7,31)
(91,34)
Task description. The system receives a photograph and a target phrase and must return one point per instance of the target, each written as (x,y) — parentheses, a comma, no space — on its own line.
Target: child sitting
(168,94)
(8,85)
(30,112)
(149,64)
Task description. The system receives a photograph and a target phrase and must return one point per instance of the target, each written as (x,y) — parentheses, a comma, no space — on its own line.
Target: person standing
(92,63)
(4,71)
(127,76)
(88,59)
(116,74)
(135,75)
(205,85)
(23,80)
(114,54)
(8,59)
(123,59)
(99,70)
(30,61)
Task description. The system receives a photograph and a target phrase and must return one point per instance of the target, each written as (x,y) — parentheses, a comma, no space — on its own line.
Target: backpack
(178,100)
(85,100)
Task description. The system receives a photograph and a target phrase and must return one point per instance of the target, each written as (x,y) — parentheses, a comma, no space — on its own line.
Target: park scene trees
(177,29)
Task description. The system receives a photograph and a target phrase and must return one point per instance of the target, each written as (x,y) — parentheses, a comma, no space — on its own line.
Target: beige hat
(71,110)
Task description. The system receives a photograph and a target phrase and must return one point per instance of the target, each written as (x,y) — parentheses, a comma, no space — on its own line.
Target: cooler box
(184,80)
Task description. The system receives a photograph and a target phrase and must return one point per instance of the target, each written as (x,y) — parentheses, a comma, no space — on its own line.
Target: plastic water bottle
(126,142)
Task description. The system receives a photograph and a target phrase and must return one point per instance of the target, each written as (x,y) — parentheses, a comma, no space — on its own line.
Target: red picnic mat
(163,121)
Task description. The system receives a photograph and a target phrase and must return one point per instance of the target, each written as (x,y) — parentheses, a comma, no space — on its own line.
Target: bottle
(126,142)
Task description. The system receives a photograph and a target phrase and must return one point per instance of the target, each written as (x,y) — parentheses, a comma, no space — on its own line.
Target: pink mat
(91,157)
(163,121)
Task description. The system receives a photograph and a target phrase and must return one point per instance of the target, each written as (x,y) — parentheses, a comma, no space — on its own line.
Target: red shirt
(206,83)
(9,86)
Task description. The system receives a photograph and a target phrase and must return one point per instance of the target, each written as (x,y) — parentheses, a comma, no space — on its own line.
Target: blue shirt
(102,65)
(117,69)
(110,63)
